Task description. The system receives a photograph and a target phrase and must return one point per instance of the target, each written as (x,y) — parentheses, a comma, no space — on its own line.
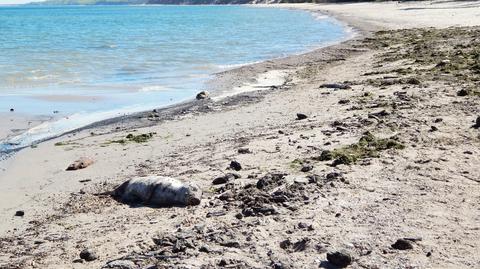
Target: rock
(88,255)
(227,195)
(463,92)
(433,129)
(158,191)
(438,120)
(477,123)
(344,101)
(339,258)
(203,95)
(225,179)
(402,244)
(235,166)
(81,163)
(205,249)
(19,213)
(121,264)
(413,81)
(339,86)
(12,110)
(307,168)
(301,116)
(239,216)
(244,151)
(443,63)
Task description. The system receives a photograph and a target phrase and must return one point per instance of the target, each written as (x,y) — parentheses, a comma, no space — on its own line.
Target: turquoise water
(94,59)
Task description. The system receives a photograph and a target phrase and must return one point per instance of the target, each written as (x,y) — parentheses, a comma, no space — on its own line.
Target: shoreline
(423,188)
(219,88)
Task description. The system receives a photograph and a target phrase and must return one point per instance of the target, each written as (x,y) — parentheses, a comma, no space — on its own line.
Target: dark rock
(239,216)
(344,101)
(477,123)
(202,95)
(339,258)
(334,175)
(20,213)
(285,244)
(225,179)
(463,92)
(235,166)
(205,249)
(227,195)
(244,151)
(402,244)
(301,245)
(307,168)
(438,120)
(433,129)
(230,244)
(301,116)
(413,81)
(340,86)
(88,255)
(12,110)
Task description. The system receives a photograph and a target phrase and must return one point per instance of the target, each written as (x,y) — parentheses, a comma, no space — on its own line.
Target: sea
(82,64)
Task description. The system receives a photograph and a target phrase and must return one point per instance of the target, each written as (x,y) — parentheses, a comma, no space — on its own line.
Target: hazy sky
(9,2)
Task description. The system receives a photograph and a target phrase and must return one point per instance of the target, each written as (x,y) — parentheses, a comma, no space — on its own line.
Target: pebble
(20,213)
(235,166)
(402,244)
(202,95)
(307,168)
(301,116)
(339,258)
(122,264)
(244,151)
(88,255)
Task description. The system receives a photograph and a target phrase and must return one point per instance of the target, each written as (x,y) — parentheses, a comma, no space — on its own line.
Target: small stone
(477,123)
(88,255)
(307,168)
(239,216)
(244,151)
(463,92)
(20,213)
(402,244)
(227,195)
(438,120)
(344,101)
(12,110)
(339,258)
(235,166)
(285,244)
(433,129)
(202,95)
(301,116)
(205,249)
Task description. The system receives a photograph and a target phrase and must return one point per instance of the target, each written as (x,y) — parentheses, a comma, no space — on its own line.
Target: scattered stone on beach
(225,179)
(339,258)
(443,63)
(203,95)
(433,128)
(477,123)
(88,255)
(12,110)
(402,244)
(307,168)
(235,165)
(343,101)
(158,191)
(463,92)
(244,151)
(337,86)
(81,163)
(301,116)
(20,213)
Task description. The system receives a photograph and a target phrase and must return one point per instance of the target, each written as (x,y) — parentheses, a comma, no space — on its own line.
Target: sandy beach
(356,146)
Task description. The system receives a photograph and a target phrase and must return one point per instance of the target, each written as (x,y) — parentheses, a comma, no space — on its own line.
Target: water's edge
(220,86)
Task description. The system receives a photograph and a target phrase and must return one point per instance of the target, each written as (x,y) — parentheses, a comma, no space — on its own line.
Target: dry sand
(417,178)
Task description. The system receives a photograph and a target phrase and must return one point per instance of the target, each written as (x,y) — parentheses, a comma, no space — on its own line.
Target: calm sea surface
(89,60)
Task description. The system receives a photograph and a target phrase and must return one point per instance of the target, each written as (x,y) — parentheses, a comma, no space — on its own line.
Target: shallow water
(109,60)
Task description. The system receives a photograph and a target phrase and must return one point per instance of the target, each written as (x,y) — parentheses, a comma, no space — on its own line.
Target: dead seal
(158,191)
